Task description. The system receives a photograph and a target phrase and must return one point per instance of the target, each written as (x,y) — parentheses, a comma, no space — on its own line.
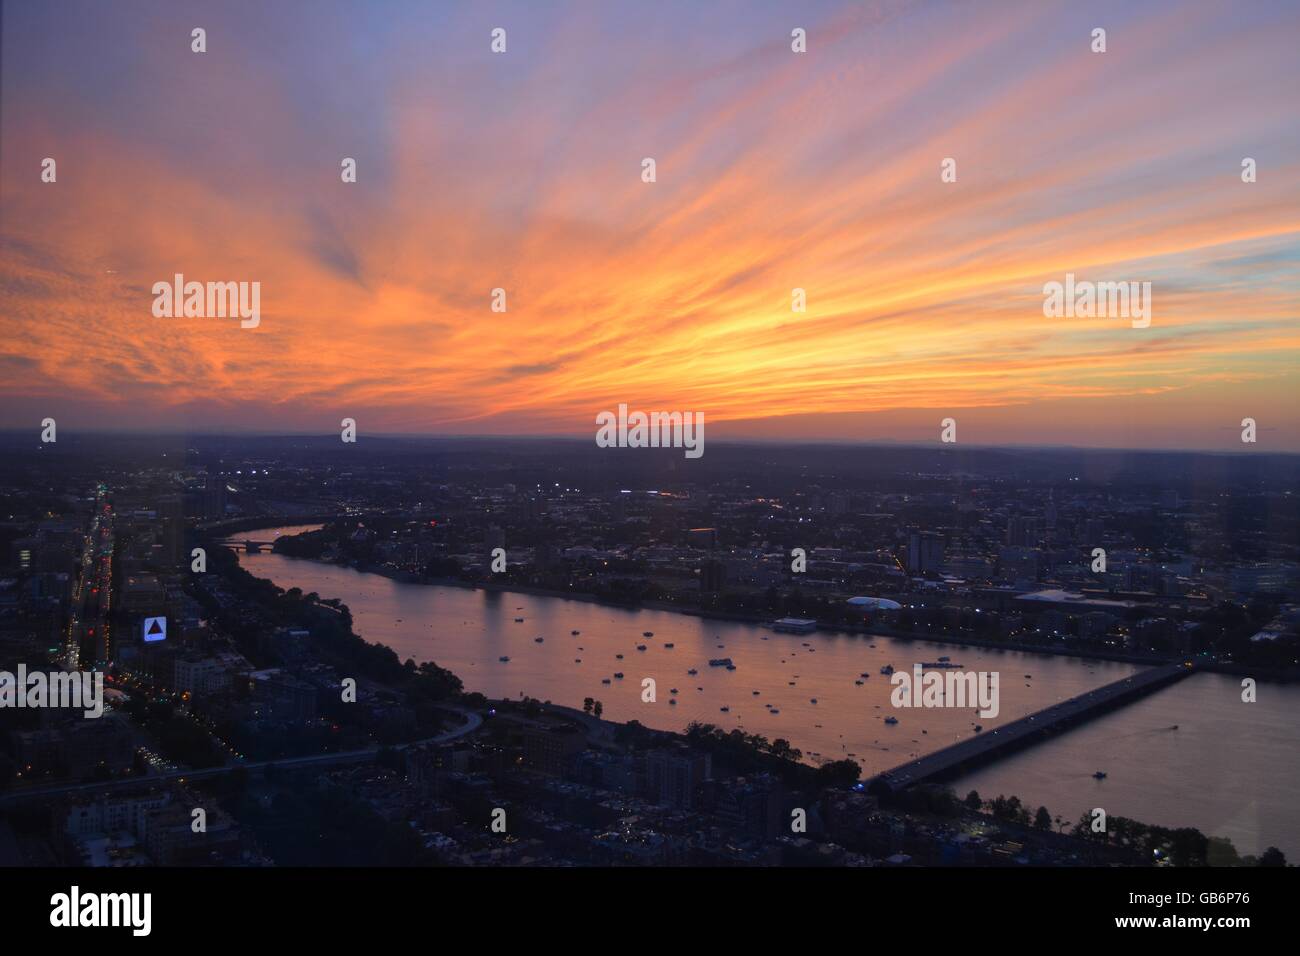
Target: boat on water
(692,672)
(1099,775)
(795,625)
(940,664)
(944,659)
(538,640)
(978,728)
(774,710)
(618,656)
(503,658)
(812,700)
(673,701)
(575,633)
(647,633)
(673,690)
(519,620)
(887,669)
(670,645)
(640,647)
(891,719)
(604,680)
(618,675)
(725,710)
(720,662)
(858,682)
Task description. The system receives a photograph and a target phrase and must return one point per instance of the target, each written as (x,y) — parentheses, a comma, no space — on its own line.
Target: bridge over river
(982,748)
(248,544)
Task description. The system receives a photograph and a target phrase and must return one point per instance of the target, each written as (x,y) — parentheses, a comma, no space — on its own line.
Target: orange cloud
(775,171)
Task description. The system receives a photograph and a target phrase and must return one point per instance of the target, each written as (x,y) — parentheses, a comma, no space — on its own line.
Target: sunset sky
(775,170)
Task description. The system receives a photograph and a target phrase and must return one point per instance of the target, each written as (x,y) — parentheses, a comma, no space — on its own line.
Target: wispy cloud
(818,171)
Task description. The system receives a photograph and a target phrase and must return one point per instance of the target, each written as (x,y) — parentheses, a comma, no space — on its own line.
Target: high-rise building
(214,498)
(551,749)
(924,552)
(837,503)
(1018,565)
(1094,532)
(706,539)
(673,777)
(1022,532)
(713,577)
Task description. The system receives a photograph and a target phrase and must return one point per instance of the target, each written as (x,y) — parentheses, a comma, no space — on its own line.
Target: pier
(1028,730)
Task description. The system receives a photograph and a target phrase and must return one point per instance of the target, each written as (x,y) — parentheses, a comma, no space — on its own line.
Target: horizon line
(727,442)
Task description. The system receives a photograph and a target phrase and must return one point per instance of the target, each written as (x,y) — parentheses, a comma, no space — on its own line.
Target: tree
(390,759)
(1189,847)
(838,773)
(973,801)
(1043,819)
(1272,857)
(432,682)
(1083,827)
(597,709)
(781,748)
(587,704)
(1009,809)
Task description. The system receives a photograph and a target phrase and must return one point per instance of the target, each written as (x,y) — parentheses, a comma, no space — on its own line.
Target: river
(1229,770)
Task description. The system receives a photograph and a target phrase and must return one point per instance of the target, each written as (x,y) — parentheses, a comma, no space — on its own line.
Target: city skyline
(775,171)
(713,650)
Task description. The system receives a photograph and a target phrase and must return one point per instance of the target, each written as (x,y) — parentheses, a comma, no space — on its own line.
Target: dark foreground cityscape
(246,724)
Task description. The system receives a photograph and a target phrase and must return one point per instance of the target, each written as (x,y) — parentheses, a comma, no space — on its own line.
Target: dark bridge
(252,547)
(980,749)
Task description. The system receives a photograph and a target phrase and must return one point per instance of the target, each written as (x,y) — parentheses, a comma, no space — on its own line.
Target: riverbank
(876,630)
(865,630)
